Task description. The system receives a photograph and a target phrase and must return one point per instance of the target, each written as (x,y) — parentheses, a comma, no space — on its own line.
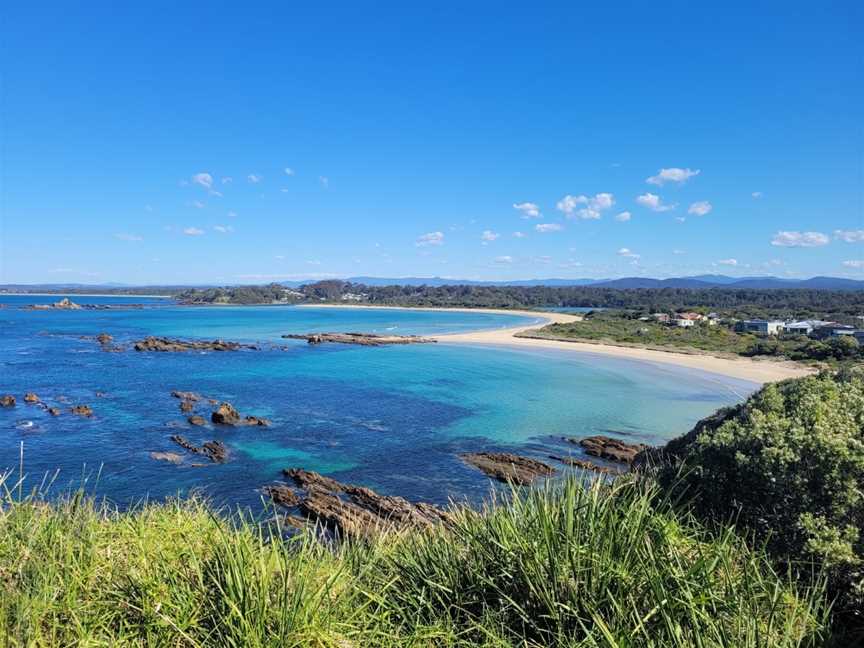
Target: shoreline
(71,295)
(756,371)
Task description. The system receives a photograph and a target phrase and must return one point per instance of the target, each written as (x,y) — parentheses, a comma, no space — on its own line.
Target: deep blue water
(391,418)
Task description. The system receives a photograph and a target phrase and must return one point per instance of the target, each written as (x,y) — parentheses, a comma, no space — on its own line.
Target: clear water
(391,418)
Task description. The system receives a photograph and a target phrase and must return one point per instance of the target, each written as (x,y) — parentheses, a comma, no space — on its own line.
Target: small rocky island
(362,339)
(170,345)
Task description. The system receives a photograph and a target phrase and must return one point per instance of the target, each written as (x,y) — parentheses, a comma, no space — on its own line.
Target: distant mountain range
(699,281)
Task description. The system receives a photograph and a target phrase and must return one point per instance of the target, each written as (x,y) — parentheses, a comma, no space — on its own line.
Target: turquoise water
(391,418)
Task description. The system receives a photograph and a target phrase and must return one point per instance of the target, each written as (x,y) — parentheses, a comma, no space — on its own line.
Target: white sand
(757,371)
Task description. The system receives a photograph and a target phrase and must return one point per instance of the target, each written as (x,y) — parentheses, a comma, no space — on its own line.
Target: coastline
(756,371)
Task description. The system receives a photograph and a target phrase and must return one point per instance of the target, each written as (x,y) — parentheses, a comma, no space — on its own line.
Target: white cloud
(528,209)
(504,259)
(253,178)
(518,234)
(854,264)
(289,171)
(224,229)
(628,253)
(227,180)
(849,236)
(430,238)
(570,264)
(653,202)
(623,217)
(585,207)
(193,231)
(700,208)
(728,262)
(672,174)
(679,252)
(548,227)
(213,192)
(203,179)
(488,236)
(279,257)
(324,180)
(232,214)
(756,194)
(799,239)
(127,237)
(680,219)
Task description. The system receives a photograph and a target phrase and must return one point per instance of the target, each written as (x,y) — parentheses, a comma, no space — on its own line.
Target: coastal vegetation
(569,564)
(633,328)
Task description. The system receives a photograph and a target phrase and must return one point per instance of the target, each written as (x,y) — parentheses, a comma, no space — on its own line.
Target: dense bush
(789,465)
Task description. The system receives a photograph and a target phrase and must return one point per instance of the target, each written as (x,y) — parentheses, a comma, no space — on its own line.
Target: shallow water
(391,418)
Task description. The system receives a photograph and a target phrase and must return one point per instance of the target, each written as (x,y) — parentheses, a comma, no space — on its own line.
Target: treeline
(738,302)
(268,294)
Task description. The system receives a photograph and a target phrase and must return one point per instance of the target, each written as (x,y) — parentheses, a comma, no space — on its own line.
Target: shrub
(789,466)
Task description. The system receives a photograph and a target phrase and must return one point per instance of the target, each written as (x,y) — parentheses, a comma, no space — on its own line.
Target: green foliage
(789,465)
(271,293)
(571,565)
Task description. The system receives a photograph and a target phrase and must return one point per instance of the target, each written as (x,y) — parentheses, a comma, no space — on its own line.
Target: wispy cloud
(548,227)
(849,236)
(756,195)
(232,214)
(672,174)
(223,229)
(488,236)
(653,202)
(430,238)
(700,208)
(728,262)
(197,204)
(854,264)
(799,239)
(325,181)
(203,179)
(528,209)
(504,259)
(193,231)
(253,178)
(122,236)
(289,171)
(627,253)
(518,234)
(623,217)
(585,207)
(227,180)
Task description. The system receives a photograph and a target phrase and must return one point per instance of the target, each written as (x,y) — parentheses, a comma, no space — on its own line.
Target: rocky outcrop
(187,406)
(83,410)
(363,339)
(104,339)
(507,467)
(169,345)
(586,465)
(349,510)
(7,401)
(226,414)
(186,396)
(282,495)
(54,411)
(63,304)
(196,420)
(30,397)
(610,449)
(215,451)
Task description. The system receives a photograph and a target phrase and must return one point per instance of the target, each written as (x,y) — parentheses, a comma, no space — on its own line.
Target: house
(804,327)
(832,330)
(663,318)
(760,327)
(684,322)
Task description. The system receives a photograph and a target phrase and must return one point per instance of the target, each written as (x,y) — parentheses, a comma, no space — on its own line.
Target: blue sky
(149,144)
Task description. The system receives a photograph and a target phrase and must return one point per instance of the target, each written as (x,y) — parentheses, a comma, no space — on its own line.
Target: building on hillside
(683,322)
(663,318)
(832,330)
(804,327)
(760,327)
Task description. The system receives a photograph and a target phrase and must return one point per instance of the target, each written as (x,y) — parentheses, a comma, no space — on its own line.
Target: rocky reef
(170,345)
(507,467)
(610,449)
(362,339)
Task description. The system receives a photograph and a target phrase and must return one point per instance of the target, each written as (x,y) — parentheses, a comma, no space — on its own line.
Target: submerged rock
(197,420)
(82,410)
(54,411)
(186,406)
(363,339)
(610,449)
(104,339)
(7,401)
(586,465)
(169,345)
(282,495)
(170,457)
(186,396)
(507,467)
(30,397)
(215,451)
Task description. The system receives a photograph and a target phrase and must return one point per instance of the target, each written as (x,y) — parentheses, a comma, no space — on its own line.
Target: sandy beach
(757,371)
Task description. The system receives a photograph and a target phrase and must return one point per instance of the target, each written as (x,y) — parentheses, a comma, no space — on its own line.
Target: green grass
(566,565)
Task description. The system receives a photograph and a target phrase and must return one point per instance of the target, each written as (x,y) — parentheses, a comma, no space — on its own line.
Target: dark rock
(186,406)
(170,457)
(586,465)
(82,410)
(7,401)
(225,414)
(310,479)
(100,394)
(169,345)
(104,338)
(197,420)
(282,495)
(215,451)
(54,411)
(30,397)
(610,449)
(507,467)
(363,339)
(395,510)
(255,420)
(344,518)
